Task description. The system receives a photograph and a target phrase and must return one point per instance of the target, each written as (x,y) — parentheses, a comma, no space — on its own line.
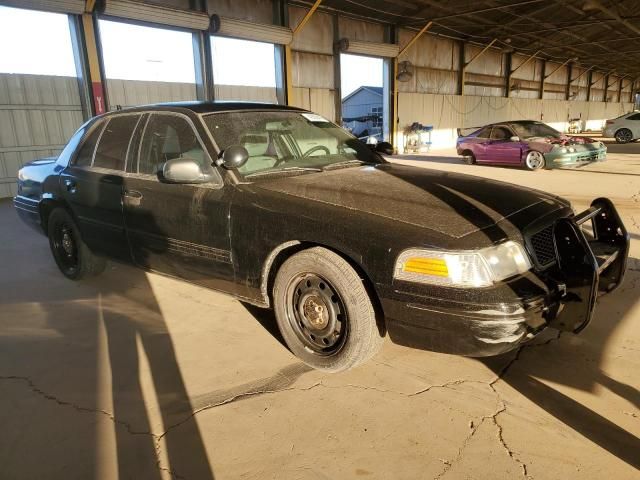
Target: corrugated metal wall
(312,69)
(38,114)
(447,113)
(127,93)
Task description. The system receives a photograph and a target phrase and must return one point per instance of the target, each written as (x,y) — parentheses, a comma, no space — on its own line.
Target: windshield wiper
(346,163)
(283,170)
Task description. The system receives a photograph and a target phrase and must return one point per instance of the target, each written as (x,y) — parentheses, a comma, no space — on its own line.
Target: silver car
(625,128)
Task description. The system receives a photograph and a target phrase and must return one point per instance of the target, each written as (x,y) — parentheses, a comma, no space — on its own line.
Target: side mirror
(234,156)
(515,138)
(384,147)
(184,170)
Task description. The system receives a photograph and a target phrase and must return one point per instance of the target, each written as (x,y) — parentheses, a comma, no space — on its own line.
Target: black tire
(469,158)
(624,135)
(73,257)
(324,312)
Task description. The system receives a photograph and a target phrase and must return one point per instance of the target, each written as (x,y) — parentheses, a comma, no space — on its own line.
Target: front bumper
(555,159)
(491,321)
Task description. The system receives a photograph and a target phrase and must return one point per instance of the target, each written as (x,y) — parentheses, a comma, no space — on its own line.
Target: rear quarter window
(85,154)
(114,142)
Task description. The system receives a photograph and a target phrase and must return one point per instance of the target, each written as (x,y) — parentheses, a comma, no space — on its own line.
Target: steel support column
(507,74)
(82,67)
(461,67)
(91,42)
(567,92)
(337,76)
(542,79)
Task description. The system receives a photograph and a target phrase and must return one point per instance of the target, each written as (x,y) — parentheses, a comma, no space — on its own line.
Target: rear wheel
(469,157)
(534,160)
(324,312)
(73,257)
(623,135)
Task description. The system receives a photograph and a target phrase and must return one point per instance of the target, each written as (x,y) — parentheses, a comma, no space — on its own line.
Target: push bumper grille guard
(587,267)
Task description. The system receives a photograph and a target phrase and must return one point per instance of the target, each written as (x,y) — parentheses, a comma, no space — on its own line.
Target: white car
(624,129)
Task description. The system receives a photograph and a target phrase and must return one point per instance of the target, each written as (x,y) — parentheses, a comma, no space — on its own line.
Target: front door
(92,185)
(178,229)
(501,148)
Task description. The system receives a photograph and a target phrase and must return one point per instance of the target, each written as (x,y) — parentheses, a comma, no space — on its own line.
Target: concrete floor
(140,376)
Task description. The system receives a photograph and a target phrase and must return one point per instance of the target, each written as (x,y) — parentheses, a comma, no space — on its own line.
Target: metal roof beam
(615,16)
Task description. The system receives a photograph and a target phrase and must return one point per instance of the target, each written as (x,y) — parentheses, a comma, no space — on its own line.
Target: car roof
(514,122)
(211,107)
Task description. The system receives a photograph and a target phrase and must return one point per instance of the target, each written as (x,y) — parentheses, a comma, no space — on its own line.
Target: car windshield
(291,142)
(535,129)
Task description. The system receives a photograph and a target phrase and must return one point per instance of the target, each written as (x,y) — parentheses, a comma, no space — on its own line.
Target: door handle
(132,197)
(70,185)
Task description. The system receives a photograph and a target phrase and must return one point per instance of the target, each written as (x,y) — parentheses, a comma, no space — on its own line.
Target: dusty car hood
(452,204)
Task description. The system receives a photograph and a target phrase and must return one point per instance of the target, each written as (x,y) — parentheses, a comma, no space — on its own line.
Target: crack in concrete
(34,388)
(47,396)
(494,417)
(252,393)
(232,399)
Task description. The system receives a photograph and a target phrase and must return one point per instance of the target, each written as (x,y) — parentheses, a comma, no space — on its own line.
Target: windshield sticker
(314,117)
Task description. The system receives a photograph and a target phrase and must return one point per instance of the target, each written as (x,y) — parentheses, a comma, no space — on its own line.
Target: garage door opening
(24,52)
(363,107)
(243,70)
(147,64)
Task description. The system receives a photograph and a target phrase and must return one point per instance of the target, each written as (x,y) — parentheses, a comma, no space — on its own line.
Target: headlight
(472,268)
(563,150)
(572,150)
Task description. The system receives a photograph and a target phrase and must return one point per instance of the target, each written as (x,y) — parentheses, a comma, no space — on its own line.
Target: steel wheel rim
(624,135)
(65,247)
(316,314)
(535,160)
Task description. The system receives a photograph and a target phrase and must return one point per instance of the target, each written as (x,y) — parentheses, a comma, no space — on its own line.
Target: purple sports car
(528,143)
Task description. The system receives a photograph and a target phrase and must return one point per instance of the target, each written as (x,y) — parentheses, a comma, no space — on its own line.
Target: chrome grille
(542,244)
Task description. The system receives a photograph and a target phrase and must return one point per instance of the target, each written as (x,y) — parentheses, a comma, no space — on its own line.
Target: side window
(134,146)
(85,155)
(635,116)
(484,132)
(500,133)
(112,149)
(167,137)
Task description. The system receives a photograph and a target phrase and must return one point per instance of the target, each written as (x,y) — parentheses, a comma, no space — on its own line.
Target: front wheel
(73,257)
(324,312)
(534,160)
(623,135)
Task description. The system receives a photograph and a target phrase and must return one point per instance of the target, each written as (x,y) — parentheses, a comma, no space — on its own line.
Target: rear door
(178,229)
(92,184)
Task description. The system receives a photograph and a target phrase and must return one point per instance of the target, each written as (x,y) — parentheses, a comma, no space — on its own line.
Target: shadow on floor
(87,345)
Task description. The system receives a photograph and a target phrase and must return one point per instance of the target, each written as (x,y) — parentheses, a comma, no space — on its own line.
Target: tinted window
(500,133)
(635,116)
(484,132)
(86,151)
(134,146)
(167,137)
(112,149)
